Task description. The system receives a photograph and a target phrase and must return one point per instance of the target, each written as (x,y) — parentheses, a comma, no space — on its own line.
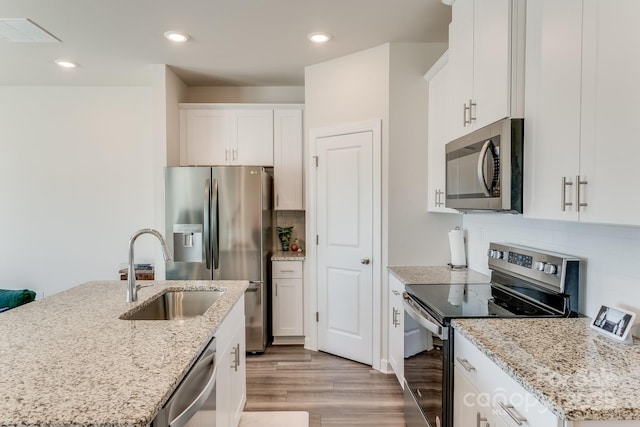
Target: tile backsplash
(288,219)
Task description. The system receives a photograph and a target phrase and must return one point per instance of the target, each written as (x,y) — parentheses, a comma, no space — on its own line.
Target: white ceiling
(233,42)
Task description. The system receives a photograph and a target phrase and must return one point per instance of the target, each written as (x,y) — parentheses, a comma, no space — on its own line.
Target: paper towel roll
(456,245)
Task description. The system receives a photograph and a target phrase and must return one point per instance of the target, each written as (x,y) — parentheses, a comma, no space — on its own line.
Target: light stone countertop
(68,360)
(287,256)
(436,275)
(574,371)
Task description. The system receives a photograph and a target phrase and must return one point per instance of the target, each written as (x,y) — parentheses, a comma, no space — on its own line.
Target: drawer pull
(513,413)
(480,419)
(465,364)
(287,271)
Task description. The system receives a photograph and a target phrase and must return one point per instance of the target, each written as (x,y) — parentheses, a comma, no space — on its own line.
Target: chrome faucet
(132,289)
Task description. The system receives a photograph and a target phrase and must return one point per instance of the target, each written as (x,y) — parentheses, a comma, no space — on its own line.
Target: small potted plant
(284,233)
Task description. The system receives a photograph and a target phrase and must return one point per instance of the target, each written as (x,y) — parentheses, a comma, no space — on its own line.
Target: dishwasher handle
(423,318)
(208,362)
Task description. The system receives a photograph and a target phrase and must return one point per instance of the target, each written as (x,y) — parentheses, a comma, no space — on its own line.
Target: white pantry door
(345,245)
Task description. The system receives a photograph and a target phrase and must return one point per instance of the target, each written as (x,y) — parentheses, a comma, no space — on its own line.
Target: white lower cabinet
(231,374)
(469,409)
(396,328)
(486,396)
(287,299)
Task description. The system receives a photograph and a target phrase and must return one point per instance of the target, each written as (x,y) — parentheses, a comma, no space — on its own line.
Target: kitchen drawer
(505,393)
(287,269)
(512,402)
(473,364)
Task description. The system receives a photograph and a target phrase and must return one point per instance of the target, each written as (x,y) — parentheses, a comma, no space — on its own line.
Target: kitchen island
(583,378)
(69,360)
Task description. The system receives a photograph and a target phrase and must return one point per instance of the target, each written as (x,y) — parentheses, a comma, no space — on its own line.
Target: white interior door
(345,245)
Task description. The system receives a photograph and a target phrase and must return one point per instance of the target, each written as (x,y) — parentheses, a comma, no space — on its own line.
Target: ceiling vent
(23,30)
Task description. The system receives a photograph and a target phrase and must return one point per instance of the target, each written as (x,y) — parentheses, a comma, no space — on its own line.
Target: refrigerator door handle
(215,241)
(206,247)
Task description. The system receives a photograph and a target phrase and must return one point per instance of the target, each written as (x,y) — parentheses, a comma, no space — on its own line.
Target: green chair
(11,298)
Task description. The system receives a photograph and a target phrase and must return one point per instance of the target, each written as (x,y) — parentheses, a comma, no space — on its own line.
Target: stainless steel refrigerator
(219,227)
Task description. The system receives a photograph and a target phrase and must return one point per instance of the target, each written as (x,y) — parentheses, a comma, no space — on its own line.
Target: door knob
(365,261)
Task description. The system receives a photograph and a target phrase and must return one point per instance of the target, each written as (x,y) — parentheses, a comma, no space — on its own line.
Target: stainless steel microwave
(484,169)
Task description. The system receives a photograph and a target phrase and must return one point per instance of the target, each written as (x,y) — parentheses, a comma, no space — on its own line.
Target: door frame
(311,265)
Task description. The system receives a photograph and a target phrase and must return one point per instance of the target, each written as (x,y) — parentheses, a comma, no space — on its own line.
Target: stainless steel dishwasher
(195,397)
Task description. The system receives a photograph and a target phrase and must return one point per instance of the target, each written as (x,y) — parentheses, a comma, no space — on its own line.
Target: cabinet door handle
(236,357)
(480,419)
(226,154)
(395,292)
(471,104)
(277,200)
(439,201)
(513,413)
(464,115)
(395,320)
(565,183)
(465,364)
(578,202)
(235,154)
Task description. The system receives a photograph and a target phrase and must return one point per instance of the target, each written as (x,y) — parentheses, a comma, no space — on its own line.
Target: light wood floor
(335,391)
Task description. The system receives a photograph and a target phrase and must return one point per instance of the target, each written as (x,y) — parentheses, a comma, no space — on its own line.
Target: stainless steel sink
(175,305)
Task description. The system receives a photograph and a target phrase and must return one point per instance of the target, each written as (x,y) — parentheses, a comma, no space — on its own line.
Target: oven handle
(423,318)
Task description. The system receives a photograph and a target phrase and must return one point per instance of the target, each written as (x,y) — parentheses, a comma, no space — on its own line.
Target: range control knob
(539,265)
(550,269)
(498,254)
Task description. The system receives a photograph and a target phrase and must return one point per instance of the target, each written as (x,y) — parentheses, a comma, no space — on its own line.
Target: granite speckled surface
(577,373)
(436,275)
(287,256)
(68,360)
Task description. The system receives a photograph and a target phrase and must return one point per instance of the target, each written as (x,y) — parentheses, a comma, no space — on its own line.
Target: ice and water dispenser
(187,243)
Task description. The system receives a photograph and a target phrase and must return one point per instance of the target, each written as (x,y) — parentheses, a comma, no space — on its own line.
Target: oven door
(424,367)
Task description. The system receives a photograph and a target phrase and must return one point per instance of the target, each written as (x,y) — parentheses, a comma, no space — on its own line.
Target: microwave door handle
(481,162)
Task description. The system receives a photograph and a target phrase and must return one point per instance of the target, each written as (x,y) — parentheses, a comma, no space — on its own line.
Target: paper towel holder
(458,267)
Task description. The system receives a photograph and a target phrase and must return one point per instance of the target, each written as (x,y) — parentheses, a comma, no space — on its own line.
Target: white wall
(415,237)
(76,180)
(386,83)
(246,94)
(611,253)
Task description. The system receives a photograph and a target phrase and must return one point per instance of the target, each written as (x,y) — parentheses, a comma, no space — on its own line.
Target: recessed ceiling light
(65,64)
(319,37)
(175,36)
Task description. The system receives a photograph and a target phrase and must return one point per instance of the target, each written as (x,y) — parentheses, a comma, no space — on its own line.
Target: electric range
(525,282)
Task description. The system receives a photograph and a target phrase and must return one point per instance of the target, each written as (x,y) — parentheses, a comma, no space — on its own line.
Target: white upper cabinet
(610,146)
(581,111)
(251,137)
(437,77)
(288,160)
(552,108)
(486,54)
(204,136)
(215,134)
